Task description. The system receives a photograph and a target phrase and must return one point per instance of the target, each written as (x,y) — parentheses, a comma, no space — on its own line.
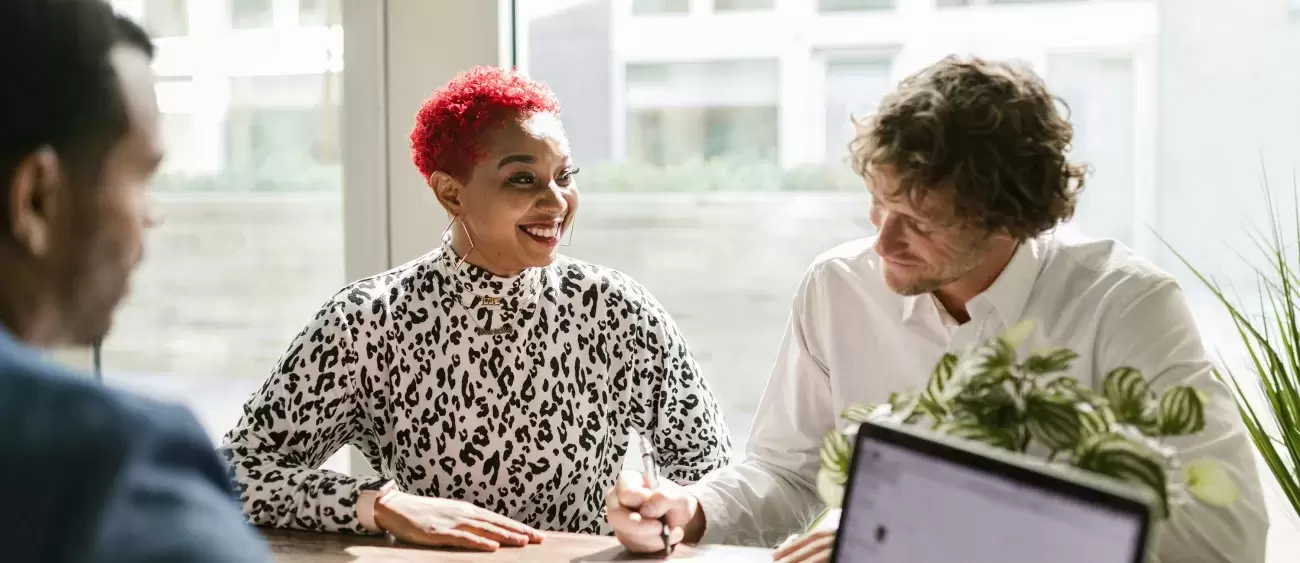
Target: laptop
(915,496)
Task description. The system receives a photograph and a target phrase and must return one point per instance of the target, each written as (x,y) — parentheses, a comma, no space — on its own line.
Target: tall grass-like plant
(1272,343)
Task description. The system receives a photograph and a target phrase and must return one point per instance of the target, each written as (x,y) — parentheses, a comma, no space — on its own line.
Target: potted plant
(1029,406)
(1271,338)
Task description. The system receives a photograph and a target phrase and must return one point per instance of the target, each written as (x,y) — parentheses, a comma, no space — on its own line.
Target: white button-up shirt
(851,339)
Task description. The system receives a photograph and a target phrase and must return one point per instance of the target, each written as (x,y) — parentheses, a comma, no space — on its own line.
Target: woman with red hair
(492,382)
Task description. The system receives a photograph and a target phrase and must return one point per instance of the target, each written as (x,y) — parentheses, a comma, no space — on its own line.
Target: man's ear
(34,196)
(447,190)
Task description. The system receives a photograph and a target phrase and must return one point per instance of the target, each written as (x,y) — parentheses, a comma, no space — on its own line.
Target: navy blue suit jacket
(91,474)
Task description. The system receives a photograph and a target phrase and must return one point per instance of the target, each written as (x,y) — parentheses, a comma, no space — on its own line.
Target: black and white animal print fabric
(514,394)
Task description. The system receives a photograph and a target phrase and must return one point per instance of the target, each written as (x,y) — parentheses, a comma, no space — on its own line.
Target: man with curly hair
(966,164)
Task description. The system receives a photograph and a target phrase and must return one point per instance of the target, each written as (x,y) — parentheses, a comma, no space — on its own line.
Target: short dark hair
(59,87)
(986,136)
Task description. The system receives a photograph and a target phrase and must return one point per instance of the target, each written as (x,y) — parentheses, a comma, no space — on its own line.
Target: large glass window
(250,193)
(855,5)
(660,6)
(739,5)
(1100,93)
(853,87)
(1179,138)
(251,14)
(320,12)
(167,18)
(681,113)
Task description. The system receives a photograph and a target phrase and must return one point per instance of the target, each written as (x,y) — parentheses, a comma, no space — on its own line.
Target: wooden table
(290,546)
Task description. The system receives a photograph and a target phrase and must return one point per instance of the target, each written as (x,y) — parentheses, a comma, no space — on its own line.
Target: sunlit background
(712,137)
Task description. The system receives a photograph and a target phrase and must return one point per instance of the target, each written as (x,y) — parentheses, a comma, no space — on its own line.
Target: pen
(650,462)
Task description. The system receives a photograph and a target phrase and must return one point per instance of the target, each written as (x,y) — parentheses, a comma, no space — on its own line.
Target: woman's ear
(447,190)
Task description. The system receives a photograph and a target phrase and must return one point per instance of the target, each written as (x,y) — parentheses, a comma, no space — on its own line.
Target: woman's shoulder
(380,291)
(577,278)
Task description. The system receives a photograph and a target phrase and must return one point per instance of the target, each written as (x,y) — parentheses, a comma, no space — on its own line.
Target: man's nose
(889,238)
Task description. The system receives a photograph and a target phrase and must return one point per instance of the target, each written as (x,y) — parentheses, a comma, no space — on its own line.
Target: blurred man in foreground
(88,473)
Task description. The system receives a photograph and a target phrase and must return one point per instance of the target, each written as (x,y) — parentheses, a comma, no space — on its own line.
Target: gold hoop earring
(463,228)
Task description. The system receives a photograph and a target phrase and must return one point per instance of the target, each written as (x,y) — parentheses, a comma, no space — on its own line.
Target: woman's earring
(569,228)
(469,239)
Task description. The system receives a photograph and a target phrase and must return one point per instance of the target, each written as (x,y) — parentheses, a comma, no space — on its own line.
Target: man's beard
(931,281)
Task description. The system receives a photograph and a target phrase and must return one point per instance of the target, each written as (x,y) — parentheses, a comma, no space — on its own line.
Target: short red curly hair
(450,125)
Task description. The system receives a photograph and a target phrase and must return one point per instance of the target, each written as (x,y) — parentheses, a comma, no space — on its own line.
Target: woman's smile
(547,233)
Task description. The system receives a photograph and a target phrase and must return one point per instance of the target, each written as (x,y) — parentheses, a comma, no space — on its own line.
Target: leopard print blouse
(514,394)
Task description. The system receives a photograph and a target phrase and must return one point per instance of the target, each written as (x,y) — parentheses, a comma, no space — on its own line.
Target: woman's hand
(634,510)
(811,548)
(440,522)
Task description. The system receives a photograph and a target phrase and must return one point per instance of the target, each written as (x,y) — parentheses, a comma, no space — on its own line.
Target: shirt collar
(483,287)
(1007,295)
(7,338)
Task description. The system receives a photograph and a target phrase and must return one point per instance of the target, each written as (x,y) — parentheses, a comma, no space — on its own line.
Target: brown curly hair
(986,136)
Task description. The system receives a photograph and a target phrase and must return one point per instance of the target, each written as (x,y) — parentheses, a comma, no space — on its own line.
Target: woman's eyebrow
(526,159)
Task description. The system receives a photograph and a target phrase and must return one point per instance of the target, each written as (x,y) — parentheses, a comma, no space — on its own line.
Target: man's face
(920,249)
(101,242)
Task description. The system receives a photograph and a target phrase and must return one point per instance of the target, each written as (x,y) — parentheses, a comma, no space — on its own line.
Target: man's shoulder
(855,260)
(54,409)
(79,456)
(1102,266)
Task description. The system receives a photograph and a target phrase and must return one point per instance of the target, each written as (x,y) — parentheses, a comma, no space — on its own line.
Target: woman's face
(520,197)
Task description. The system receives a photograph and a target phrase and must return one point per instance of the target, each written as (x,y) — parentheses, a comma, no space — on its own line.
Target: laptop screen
(906,506)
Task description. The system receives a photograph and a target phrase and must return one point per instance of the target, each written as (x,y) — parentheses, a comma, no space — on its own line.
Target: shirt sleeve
(689,432)
(1157,335)
(304,412)
(773,493)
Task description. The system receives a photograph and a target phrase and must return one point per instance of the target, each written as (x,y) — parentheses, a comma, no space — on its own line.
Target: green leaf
(1092,421)
(991,408)
(830,487)
(974,431)
(1115,456)
(940,378)
(858,413)
(1208,481)
(836,455)
(997,358)
(1053,422)
(1129,395)
(903,404)
(1050,361)
(1017,333)
(1182,411)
